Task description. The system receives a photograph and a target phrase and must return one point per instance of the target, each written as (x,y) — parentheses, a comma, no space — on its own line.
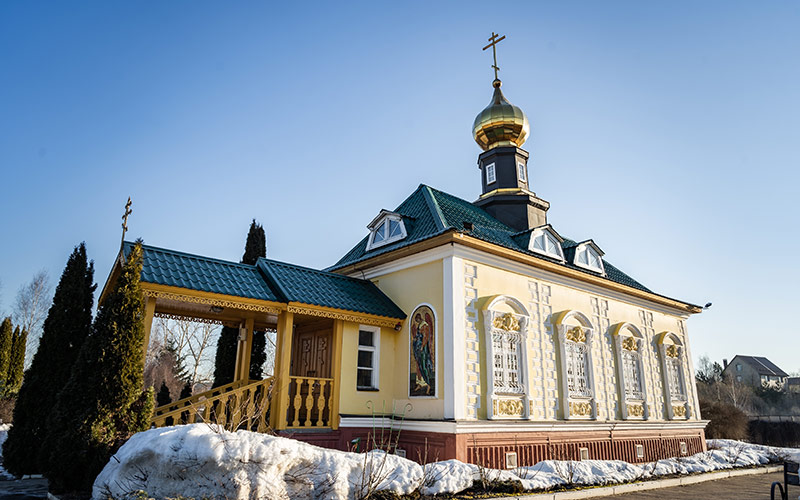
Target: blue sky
(667,132)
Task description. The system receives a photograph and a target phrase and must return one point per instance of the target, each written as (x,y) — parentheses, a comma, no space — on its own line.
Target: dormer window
(589,256)
(546,242)
(386,228)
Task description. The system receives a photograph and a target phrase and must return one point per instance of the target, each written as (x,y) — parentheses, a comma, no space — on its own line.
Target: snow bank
(201,461)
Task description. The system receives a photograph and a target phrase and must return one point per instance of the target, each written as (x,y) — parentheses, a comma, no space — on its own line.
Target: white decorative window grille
(507,374)
(676,390)
(490,174)
(632,374)
(577,369)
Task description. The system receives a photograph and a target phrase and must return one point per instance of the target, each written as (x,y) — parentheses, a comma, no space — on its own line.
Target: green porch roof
(268,280)
(429,212)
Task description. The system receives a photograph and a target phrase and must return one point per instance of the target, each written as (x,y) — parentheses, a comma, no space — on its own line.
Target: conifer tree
(163,397)
(225,360)
(6,341)
(68,323)
(16,364)
(186,392)
(103,404)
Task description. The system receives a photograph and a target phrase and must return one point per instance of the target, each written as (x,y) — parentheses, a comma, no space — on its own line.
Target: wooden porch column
(336,372)
(149,312)
(244,351)
(283,359)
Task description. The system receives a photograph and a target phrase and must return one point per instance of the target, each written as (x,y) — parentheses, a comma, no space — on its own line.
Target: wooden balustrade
(309,402)
(239,405)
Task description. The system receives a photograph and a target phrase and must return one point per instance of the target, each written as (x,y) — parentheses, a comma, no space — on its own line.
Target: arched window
(506,323)
(671,350)
(628,342)
(575,333)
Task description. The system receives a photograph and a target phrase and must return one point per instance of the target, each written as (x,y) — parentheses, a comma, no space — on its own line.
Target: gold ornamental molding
(629,344)
(679,411)
(580,408)
(577,335)
(508,322)
(325,312)
(672,351)
(508,407)
(209,299)
(636,410)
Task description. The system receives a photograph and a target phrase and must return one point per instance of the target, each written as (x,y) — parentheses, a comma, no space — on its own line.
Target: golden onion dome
(500,123)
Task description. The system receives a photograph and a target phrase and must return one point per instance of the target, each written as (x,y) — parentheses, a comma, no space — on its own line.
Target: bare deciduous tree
(194,343)
(31,307)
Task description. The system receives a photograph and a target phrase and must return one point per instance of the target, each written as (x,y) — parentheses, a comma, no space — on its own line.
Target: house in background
(793,384)
(754,370)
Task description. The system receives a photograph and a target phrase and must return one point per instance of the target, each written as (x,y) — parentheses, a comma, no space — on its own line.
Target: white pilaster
(454,355)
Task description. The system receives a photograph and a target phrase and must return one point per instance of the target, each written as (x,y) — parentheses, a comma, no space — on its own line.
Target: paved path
(755,487)
(23,489)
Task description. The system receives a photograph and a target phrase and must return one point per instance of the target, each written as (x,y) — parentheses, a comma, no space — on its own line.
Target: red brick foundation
(489,448)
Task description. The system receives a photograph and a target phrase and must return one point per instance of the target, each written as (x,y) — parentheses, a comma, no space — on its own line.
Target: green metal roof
(268,280)
(321,288)
(429,212)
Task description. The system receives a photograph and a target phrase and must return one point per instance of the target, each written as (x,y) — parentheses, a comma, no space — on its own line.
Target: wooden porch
(303,392)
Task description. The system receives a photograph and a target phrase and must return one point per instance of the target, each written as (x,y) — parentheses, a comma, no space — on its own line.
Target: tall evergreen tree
(68,323)
(16,365)
(163,397)
(6,341)
(103,404)
(256,244)
(186,392)
(225,360)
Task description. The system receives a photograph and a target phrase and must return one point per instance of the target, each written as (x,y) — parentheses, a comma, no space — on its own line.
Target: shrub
(727,421)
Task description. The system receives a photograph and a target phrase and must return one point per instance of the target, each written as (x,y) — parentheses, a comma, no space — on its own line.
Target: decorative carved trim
(355,318)
(186,317)
(508,322)
(159,294)
(576,334)
(635,410)
(672,351)
(679,411)
(630,344)
(508,408)
(580,409)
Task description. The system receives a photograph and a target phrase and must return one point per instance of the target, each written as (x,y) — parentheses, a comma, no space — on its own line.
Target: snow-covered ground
(202,461)
(4,475)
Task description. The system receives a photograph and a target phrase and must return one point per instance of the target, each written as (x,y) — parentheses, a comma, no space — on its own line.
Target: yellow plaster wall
(410,288)
(357,402)
(546,297)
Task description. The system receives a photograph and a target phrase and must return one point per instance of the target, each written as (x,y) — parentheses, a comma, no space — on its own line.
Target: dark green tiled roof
(429,212)
(320,288)
(268,280)
(172,268)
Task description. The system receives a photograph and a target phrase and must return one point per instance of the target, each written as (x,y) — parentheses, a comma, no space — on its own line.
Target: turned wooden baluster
(320,401)
(297,401)
(309,402)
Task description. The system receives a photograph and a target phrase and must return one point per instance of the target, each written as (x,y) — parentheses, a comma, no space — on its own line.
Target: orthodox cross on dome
(128,211)
(494,41)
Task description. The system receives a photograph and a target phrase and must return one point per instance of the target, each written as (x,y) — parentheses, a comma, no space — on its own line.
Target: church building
(475,329)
